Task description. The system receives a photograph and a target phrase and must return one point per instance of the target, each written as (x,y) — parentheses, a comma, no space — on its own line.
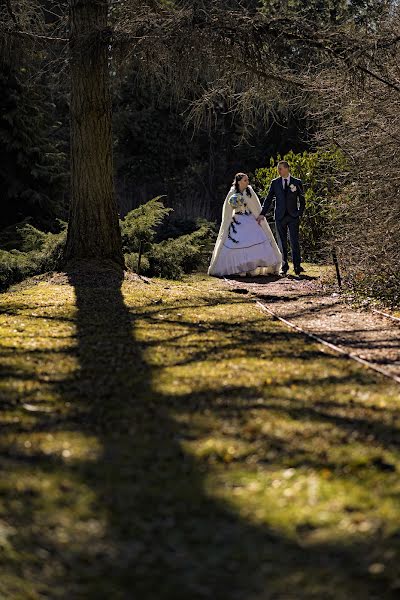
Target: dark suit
(289,207)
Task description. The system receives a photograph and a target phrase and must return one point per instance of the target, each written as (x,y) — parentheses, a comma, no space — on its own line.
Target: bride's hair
(236,180)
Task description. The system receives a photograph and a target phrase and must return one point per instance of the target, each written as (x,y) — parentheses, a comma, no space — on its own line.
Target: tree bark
(93,229)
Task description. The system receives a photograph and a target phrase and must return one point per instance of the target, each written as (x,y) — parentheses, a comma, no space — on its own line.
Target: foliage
(10,236)
(315,48)
(363,120)
(170,257)
(370,264)
(159,152)
(174,257)
(41,252)
(141,224)
(131,261)
(32,161)
(174,226)
(319,172)
(326,11)
(14,266)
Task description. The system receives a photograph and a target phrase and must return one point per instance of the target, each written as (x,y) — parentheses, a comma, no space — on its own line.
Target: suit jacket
(292,202)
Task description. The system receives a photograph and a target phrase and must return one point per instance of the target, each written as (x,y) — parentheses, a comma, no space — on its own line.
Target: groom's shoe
(299,271)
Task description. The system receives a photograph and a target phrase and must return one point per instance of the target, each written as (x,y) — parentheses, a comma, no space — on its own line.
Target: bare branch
(12,14)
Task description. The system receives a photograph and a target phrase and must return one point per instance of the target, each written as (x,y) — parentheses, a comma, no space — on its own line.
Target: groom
(289,207)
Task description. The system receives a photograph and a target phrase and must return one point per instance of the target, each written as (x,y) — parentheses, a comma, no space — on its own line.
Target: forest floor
(168,441)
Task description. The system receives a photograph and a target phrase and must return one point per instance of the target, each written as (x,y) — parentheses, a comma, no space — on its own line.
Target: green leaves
(171,257)
(41,252)
(32,159)
(174,257)
(140,224)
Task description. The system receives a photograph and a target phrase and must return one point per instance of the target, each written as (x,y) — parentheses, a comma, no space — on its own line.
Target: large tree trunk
(93,230)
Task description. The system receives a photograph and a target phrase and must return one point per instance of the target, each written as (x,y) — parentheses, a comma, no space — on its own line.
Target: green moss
(169,441)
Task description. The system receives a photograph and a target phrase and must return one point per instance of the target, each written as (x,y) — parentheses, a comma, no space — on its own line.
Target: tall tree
(93,230)
(82,25)
(32,159)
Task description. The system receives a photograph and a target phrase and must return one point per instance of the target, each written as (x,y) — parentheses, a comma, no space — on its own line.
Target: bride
(243,246)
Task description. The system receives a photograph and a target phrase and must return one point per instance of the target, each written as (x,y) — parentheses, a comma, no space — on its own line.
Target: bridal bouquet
(236,200)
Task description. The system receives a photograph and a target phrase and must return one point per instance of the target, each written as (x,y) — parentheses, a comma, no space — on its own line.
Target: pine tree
(32,162)
(93,230)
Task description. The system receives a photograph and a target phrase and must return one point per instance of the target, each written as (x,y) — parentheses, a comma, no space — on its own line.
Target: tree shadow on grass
(153,531)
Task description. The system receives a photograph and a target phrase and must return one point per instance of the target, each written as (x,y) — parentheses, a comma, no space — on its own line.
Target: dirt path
(306,304)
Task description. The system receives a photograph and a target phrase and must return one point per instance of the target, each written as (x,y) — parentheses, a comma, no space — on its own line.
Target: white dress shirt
(283,181)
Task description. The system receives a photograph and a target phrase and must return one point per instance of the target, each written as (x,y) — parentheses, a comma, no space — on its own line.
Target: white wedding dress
(242,244)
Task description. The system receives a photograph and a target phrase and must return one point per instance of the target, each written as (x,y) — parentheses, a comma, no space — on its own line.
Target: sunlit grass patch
(176,442)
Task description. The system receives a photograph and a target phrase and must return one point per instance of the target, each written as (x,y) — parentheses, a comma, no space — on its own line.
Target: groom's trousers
(282,226)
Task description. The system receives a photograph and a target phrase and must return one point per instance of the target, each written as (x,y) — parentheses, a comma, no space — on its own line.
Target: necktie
(286,186)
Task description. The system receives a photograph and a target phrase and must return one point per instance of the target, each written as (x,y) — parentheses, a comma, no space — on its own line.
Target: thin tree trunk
(93,230)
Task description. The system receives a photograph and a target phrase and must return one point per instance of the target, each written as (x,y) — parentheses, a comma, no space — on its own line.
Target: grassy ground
(167,441)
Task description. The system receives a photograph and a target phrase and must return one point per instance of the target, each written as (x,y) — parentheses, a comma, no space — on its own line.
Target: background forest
(169,435)
(340,130)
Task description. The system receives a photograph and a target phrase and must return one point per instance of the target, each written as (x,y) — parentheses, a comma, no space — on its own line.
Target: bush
(169,258)
(14,266)
(174,257)
(318,172)
(131,261)
(174,227)
(367,238)
(141,224)
(41,252)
